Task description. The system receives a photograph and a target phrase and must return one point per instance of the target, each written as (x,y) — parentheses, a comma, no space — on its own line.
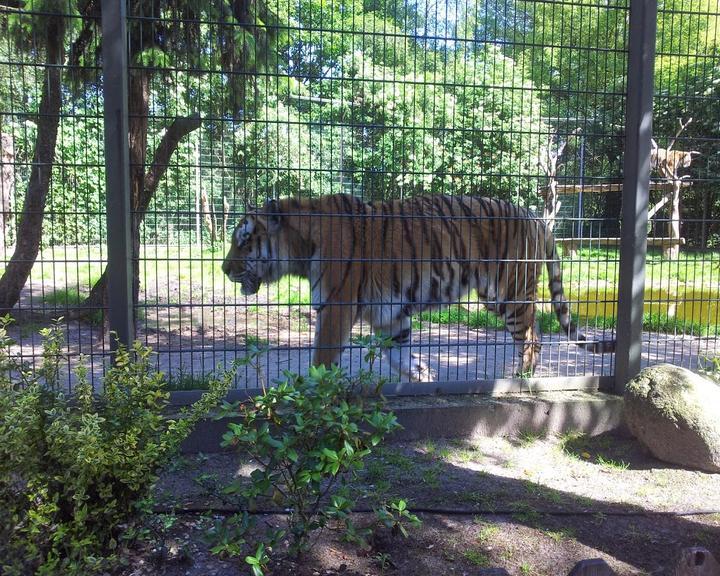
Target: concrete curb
(473,416)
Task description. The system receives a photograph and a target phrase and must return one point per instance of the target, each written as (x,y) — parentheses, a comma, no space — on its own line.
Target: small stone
(592,567)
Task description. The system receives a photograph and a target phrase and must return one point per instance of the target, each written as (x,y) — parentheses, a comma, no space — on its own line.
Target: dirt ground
(530,505)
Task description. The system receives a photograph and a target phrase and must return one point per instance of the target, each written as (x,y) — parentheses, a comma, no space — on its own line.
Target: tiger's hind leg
(520,321)
(401,357)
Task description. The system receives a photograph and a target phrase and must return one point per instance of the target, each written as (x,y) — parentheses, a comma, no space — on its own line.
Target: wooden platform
(575,243)
(663,186)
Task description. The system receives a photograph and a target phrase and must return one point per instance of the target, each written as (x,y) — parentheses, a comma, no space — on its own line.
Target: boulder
(676,414)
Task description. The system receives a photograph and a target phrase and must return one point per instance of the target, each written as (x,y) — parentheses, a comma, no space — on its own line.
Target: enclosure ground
(530,505)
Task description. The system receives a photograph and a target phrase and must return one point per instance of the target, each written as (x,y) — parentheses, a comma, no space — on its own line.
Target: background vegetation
(381,97)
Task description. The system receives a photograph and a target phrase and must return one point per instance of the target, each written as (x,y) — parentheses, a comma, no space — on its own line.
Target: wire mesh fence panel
(681,293)
(52,205)
(303,175)
(385,104)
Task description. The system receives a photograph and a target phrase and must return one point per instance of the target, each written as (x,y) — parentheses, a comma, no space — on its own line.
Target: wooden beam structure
(575,243)
(663,186)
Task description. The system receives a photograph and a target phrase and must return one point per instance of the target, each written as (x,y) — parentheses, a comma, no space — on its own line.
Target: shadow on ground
(528,504)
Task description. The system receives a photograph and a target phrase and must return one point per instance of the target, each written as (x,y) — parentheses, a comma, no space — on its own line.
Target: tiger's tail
(562,308)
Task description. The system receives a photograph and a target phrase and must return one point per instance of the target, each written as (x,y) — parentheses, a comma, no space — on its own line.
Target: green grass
(195,272)
(664,324)
(255,341)
(71,297)
(611,464)
(477,558)
(63,297)
(487,533)
(548,322)
(291,290)
(182,380)
(459,315)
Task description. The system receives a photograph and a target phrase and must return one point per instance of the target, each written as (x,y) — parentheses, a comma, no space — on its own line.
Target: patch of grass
(611,464)
(571,443)
(528,438)
(482,500)
(560,535)
(445,453)
(72,297)
(252,340)
(459,315)
(374,470)
(427,451)
(525,513)
(63,297)
(477,558)
(487,533)
(396,459)
(291,290)
(431,476)
(184,380)
(665,324)
(539,491)
(466,455)
(526,569)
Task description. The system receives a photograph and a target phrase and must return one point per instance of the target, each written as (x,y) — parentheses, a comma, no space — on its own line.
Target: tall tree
(164,36)
(41,30)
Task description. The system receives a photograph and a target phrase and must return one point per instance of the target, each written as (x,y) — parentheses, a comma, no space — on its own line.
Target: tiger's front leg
(401,357)
(332,332)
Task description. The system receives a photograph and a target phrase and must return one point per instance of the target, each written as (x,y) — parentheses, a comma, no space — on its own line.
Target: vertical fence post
(636,181)
(117,170)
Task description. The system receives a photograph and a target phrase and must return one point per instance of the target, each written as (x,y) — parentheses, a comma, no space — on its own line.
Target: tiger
(385,261)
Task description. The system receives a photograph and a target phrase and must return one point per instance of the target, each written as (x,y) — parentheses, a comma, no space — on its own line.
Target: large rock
(676,414)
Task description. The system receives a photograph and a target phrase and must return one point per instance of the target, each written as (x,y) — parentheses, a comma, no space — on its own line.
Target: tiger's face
(253,255)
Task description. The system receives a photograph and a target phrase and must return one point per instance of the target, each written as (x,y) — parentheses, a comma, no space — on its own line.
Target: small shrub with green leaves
(76,469)
(309,434)
(709,367)
(396,516)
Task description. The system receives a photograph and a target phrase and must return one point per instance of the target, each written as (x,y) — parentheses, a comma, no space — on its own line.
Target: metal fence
(137,135)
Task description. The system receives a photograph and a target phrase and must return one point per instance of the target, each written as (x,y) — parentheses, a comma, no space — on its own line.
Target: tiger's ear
(273,216)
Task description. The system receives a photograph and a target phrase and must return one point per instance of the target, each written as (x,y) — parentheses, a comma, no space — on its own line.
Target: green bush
(76,469)
(309,435)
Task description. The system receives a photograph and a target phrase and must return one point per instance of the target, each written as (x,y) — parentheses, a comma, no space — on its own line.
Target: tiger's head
(254,255)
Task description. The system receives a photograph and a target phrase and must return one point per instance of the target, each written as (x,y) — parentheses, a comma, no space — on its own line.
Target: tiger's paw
(421,372)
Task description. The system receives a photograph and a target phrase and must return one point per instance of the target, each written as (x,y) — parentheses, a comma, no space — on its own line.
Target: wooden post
(226,215)
(198,183)
(7,189)
(673,251)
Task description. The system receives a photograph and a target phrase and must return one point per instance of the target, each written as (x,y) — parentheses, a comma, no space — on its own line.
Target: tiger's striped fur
(383,262)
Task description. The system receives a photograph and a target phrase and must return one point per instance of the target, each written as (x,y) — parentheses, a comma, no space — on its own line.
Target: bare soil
(533,506)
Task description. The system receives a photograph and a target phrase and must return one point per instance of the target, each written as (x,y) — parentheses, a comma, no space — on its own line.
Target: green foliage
(458,315)
(76,469)
(425,131)
(308,434)
(709,366)
(396,516)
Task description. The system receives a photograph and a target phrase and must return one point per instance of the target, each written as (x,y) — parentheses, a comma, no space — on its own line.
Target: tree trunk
(7,188)
(143,185)
(29,232)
